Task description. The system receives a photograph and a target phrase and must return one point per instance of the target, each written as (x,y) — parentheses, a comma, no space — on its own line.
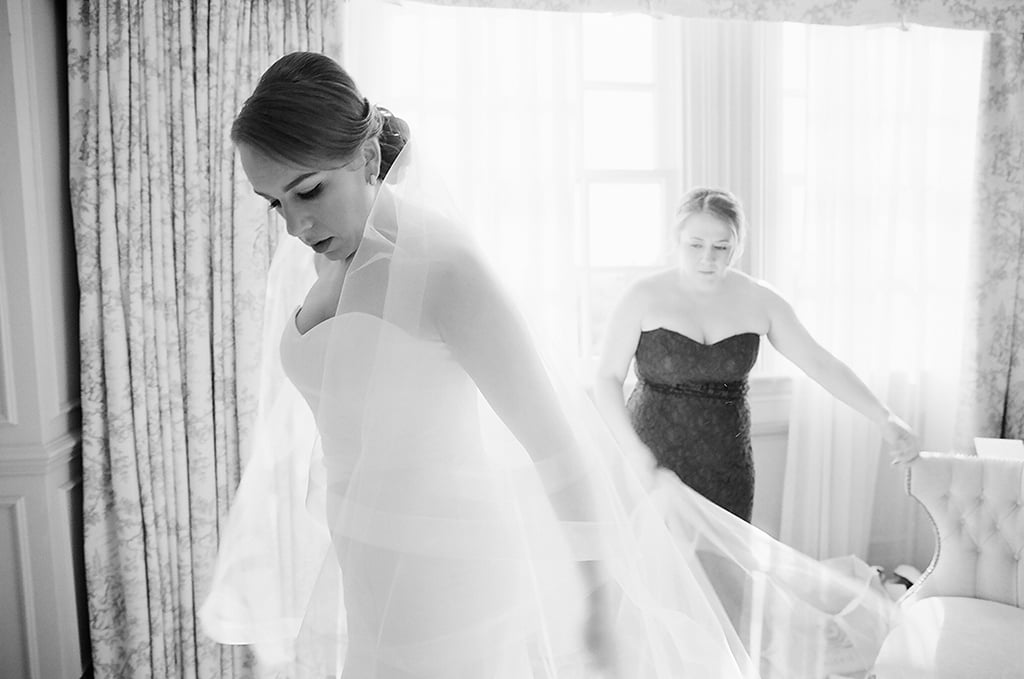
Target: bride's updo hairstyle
(718,203)
(307,111)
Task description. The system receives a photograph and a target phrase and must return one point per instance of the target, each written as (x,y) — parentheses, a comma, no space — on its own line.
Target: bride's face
(325,209)
(705,248)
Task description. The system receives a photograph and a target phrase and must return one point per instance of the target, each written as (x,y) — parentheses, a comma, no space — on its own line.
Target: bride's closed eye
(303,195)
(312,193)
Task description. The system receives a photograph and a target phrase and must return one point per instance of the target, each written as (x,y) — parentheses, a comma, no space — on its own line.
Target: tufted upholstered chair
(965,617)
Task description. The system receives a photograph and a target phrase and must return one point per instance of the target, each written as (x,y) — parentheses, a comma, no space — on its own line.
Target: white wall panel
(17,614)
(41,567)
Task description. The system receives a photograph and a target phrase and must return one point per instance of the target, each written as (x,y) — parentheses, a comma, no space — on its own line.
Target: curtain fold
(992,403)
(869,245)
(172,254)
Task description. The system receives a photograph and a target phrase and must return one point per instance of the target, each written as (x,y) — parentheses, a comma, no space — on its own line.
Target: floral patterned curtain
(171,266)
(1001,16)
(993,402)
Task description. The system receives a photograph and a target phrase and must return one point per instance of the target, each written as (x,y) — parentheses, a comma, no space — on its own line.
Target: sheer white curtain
(493,96)
(852,147)
(868,238)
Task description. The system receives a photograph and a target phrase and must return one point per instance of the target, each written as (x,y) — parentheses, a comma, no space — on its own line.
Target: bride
(452,510)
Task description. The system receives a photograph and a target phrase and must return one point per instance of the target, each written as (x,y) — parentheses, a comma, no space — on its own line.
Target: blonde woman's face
(705,248)
(325,209)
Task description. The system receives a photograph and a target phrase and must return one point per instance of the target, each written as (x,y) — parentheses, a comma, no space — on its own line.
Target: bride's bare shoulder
(451,252)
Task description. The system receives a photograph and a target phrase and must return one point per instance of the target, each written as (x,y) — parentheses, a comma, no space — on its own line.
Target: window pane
(606,289)
(626,223)
(618,48)
(618,130)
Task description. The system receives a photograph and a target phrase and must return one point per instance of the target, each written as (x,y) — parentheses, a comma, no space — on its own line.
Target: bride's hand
(641,461)
(599,633)
(903,444)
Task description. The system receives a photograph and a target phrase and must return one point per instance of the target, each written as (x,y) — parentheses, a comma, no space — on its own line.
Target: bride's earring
(372,180)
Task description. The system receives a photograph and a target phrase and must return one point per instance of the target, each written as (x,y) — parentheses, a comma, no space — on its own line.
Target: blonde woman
(695,330)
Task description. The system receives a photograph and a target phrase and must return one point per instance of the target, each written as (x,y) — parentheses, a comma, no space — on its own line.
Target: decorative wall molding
(20,549)
(43,623)
(42,562)
(75,608)
(8,408)
(41,459)
(38,285)
(8,413)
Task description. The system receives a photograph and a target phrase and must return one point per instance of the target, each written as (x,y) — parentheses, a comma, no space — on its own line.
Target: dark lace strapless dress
(690,408)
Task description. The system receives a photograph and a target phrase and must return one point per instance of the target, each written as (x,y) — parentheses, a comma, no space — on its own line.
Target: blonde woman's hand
(903,444)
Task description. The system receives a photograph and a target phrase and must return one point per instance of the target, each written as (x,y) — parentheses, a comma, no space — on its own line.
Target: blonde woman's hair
(718,203)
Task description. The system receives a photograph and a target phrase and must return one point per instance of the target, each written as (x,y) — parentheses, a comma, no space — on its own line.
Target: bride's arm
(489,338)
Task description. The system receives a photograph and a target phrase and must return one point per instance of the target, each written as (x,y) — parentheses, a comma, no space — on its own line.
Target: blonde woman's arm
(622,335)
(791,338)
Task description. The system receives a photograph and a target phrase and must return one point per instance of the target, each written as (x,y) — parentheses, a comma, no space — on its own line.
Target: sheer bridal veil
(398,527)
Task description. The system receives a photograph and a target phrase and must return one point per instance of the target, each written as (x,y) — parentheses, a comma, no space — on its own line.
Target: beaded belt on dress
(723,391)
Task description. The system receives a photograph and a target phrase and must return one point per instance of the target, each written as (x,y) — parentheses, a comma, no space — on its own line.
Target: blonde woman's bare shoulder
(650,287)
(743,280)
(766,295)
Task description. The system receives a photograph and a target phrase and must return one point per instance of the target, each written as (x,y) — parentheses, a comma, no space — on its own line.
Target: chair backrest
(977,509)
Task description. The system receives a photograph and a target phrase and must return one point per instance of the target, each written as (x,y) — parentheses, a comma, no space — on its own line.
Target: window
(568,138)
(629,171)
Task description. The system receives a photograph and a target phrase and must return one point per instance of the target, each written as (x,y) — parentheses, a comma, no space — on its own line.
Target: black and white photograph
(511,339)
